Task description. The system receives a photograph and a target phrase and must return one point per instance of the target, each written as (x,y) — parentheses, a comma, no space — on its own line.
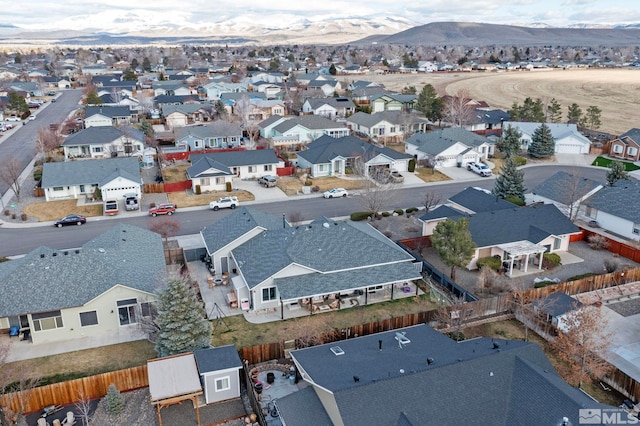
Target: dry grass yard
(54,210)
(429,175)
(615,91)
(293,185)
(189,199)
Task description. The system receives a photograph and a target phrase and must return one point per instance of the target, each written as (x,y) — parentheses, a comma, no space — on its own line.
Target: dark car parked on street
(72,219)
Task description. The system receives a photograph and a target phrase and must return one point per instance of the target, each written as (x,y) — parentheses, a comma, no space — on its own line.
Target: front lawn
(54,210)
(606,162)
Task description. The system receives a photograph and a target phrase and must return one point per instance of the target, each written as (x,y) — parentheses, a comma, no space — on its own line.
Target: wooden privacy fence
(68,392)
(625,250)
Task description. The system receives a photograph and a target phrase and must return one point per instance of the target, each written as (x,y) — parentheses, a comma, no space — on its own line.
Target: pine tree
(574,114)
(542,143)
(113,401)
(452,240)
(510,183)
(181,320)
(510,144)
(554,113)
(430,103)
(616,172)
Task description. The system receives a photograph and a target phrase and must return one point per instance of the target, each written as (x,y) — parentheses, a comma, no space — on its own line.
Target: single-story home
(568,140)
(218,134)
(56,295)
(212,171)
(296,132)
(517,234)
(565,191)
(416,376)
(109,116)
(329,107)
(114,177)
(448,147)
(387,126)
(103,142)
(274,266)
(328,156)
(617,209)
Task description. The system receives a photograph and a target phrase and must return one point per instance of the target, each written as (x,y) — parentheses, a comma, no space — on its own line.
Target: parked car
(13,118)
(163,208)
(335,192)
(111,207)
(224,203)
(396,177)
(72,219)
(131,202)
(51,93)
(268,181)
(5,126)
(32,117)
(479,168)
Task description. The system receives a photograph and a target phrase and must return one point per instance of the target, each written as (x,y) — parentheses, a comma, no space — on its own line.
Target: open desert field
(615,92)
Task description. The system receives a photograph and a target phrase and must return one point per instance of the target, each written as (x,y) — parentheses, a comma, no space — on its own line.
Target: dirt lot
(615,92)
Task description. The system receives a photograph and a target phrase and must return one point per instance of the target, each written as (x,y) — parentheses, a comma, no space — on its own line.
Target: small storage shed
(172,380)
(219,370)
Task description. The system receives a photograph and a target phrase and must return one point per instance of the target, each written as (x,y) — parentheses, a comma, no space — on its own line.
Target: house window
(392,130)
(251,169)
(268,167)
(88,318)
(268,294)
(205,181)
(47,321)
(617,149)
(220,181)
(127,311)
(58,188)
(323,167)
(223,384)
(97,149)
(147,309)
(632,151)
(556,243)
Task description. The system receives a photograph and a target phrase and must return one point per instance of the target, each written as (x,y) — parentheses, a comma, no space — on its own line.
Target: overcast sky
(79,14)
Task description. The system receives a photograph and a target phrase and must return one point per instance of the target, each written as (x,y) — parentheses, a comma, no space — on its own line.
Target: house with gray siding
(617,209)
(217,134)
(219,370)
(103,142)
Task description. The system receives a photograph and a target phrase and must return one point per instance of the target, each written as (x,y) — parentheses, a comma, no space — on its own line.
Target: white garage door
(568,149)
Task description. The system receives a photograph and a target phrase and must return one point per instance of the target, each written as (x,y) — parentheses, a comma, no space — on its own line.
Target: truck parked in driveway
(131,202)
(268,181)
(479,168)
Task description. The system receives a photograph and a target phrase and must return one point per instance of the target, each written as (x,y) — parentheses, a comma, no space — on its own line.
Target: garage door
(568,149)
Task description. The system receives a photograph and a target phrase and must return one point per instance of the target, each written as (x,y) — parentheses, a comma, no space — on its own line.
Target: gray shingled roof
(556,304)
(442,212)
(49,279)
(479,200)
(312,122)
(435,142)
(328,247)
(494,116)
(565,188)
(185,108)
(108,111)
(216,359)
(633,134)
(267,122)
(620,200)
(101,135)
(519,224)
(313,413)
(89,171)
(239,158)
(326,148)
(370,120)
(204,166)
(473,382)
(233,226)
(338,103)
(215,129)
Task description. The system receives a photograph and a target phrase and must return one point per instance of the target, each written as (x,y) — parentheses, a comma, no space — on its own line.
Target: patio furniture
(232,299)
(14,331)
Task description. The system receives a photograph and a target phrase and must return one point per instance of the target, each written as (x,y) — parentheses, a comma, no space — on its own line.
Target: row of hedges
(358,216)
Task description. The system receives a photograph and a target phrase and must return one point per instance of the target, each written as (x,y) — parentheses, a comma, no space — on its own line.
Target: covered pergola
(513,251)
(173,380)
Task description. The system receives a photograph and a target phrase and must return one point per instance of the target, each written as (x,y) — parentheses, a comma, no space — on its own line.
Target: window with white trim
(251,169)
(47,320)
(223,384)
(127,311)
(632,151)
(205,181)
(268,167)
(88,318)
(617,149)
(268,294)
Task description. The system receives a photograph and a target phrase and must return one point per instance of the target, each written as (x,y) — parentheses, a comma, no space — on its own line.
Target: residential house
(274,266)
(416,376)
(219,370)
(59,295)
(328,156)
(217,134)
(485,120)
(357,84)
(517,234)
(567,192)
(296,132)
(392,102)
(213,170)
(567,138)
(626,146)
(109,116)
(326,84)
(114,177)
(329,107)
(448,147)
(386,126)
(270,90)
(170,87)
(185,114)
(617,209)
(103,142)
(216,89)
(362,96)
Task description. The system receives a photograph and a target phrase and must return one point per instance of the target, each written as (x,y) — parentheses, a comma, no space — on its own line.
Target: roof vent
(101,250)
(402,339)
(337,350)
(496,345)
(326,225)
(430,361)
(54,254)
(41,255)
(77,251)
(356,379)
(66,253)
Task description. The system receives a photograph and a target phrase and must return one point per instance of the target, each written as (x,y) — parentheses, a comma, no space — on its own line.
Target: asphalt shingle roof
(313,414)
(101,135)
(556,304)
(435,142)
(633,134)
(89,171)
(479,200)
(216,359)
(48,279)
(565,188)
(621,200)
(476,382)
(311,122)
(326,148)
(108,111)
(239,158)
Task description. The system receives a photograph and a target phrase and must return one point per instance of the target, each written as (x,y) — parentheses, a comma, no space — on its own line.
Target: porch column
(511,266)
(281,309)
(392,288)
(540,262)
(526,263)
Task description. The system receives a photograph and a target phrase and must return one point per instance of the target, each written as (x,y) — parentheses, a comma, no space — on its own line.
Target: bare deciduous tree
(582,343)
(431,163)
(10,175)
(430,200)
(378,191)
(457,109)
(83,406)
(455,316)
(48,141)
(295,217)
(166,227)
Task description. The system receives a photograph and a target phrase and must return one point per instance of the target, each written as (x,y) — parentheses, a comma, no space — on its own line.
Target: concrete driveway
(461,173)
(261,194)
